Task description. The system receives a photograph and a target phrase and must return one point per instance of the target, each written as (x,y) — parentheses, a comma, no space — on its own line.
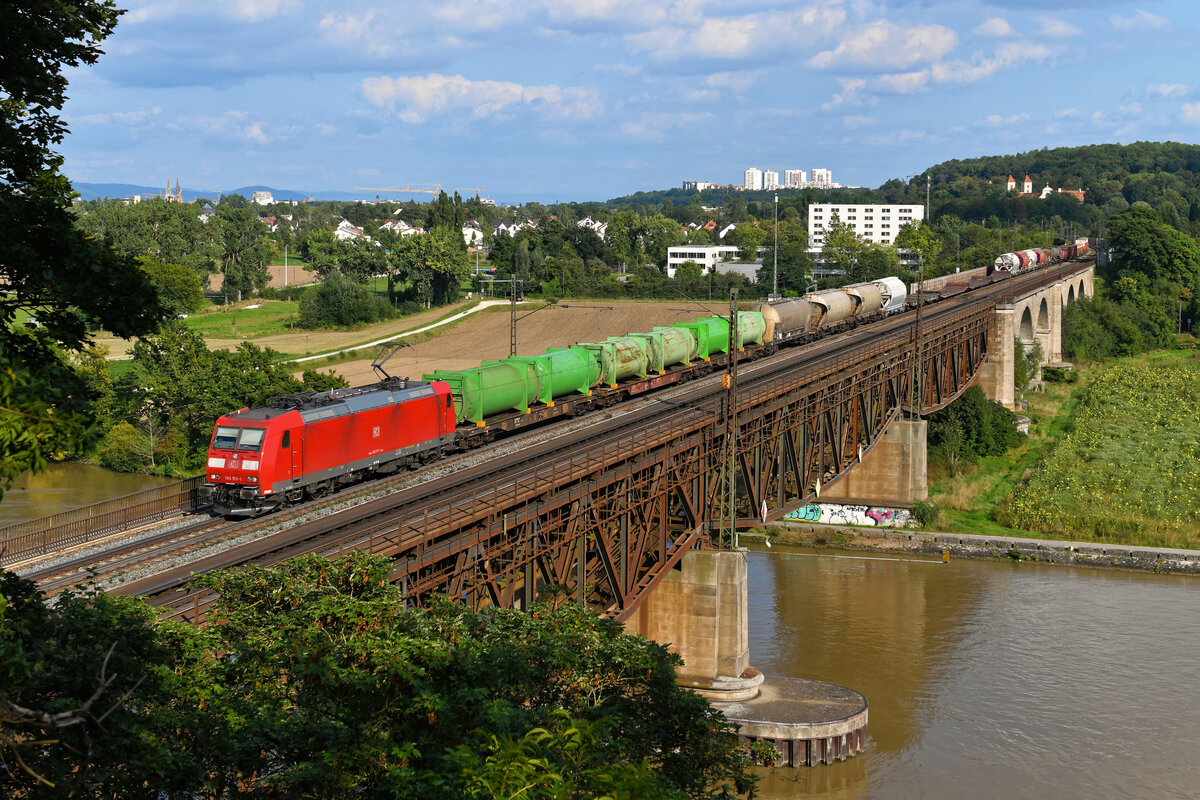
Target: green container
(718,334)
(562,371)
(751,327)
(678,346)
(490,388)
(632,356)
(698,333)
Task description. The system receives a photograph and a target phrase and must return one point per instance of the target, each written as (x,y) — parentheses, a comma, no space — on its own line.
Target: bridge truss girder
(606,523)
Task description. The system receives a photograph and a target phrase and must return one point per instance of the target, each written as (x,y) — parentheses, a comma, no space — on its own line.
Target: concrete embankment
(1047,551)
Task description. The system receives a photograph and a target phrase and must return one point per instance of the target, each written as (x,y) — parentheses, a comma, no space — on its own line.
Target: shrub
(339,301)
(1059,375)
(926,514)
(124,449)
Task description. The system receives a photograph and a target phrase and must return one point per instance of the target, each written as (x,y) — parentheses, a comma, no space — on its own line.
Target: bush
(926,514)
(339,301)
(1059,375)
(284,293)
(124,449)
(971,427)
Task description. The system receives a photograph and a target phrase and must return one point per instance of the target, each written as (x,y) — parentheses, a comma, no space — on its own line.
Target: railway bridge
(624,515)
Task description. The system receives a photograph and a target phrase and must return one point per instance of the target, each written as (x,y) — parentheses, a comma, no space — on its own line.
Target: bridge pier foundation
(894,472)
(701,610)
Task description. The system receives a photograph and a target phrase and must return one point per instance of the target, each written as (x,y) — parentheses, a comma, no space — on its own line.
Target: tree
(842,246)
(435,263)
(340,301)
(179,288)
(47,266)
(625,235)
(919,239)
(246,251)
(82,686)
(342,690)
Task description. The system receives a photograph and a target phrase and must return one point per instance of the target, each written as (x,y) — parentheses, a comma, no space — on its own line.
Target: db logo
(375,432)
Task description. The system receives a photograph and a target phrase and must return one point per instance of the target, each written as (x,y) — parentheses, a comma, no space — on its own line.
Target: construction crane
(405,189)
(474,189)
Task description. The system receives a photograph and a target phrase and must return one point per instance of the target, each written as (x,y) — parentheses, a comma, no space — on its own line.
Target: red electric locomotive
(306,444)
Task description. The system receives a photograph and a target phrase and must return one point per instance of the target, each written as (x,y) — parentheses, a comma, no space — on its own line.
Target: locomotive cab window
(448,401)
(287,440)
(225,438)
(251,438)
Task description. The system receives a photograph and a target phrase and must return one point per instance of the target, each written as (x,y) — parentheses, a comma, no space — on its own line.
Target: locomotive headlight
(253,479)
(214,477)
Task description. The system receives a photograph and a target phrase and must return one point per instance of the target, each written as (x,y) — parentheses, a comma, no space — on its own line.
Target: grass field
(1115,457)
(272,317)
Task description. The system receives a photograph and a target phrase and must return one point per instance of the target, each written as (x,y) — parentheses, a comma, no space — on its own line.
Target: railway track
(367,525)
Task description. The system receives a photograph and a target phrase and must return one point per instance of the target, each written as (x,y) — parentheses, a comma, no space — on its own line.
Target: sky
(576,100)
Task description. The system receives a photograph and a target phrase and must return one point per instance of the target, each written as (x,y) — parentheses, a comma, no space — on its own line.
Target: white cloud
(1068,113)
(856,122)
(695,36)
(1138,20)
(230,125)
(996,26)
(1164,91)
(903,82)
(1191,112)
(421,96)
(129,118)
(848,95)
(1000,121)
(362,32)
(1057,28)
(737,81)
(255,10)
(1007,55)
(655,127)
(886,45)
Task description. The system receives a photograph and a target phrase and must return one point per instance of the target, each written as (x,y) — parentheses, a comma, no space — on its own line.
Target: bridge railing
(87,523)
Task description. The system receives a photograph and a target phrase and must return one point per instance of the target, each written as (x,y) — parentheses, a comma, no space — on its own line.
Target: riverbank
(974,546)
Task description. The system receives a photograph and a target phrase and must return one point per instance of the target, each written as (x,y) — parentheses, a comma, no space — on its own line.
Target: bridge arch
(1070,294)
(1043,318)
(1025,331)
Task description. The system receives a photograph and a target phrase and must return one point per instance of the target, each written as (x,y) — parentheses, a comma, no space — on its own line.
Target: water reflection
(68,485)
(993,679)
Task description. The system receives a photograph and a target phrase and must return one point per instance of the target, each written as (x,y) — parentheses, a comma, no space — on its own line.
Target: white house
(878,223)
(472,234)
(402,228)
(601,228)
(262,198)
(347,231)
(708,256)
(726,230)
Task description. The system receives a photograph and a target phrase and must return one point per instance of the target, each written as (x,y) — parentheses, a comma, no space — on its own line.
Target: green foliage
(245,249)
(341,688)
(1105,480)
(1059,375)
(124,449)
(926,514)
(970,428)
(159,231)
(180,290)
(340,302)
(433,264)
(180,387)
(1027,360)
(83,688)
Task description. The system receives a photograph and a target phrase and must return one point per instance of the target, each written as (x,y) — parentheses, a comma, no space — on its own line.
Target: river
(61,487)
(988,679)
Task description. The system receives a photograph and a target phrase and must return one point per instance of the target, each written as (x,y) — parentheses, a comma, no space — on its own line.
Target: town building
(262,198)
(794,178)
(822,178)
(708,256)
(754,179)
(770,179)
(878,223)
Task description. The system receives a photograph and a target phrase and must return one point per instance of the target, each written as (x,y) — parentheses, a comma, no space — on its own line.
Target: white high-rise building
(878,224)
(822,177)
(754,179)
(795,178)
(770,179)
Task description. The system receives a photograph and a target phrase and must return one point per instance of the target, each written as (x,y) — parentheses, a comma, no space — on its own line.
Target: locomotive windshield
(238,438)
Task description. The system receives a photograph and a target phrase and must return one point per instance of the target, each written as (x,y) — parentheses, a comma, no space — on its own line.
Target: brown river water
(61,487)
(988,679)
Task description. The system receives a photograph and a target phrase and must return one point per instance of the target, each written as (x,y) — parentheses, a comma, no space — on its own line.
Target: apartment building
(878,223)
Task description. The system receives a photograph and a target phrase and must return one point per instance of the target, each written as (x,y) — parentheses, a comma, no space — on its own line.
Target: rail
(37,537)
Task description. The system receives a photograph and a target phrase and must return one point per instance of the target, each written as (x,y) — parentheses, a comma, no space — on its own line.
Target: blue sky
(594,99)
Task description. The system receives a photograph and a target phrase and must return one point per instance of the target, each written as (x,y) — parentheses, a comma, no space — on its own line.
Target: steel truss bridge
(604,513)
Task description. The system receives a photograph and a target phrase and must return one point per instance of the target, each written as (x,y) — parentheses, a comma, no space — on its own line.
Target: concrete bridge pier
(894,472)
(996,376)
(701,610)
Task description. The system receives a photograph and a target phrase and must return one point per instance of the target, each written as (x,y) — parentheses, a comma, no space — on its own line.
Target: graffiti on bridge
(841,514)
